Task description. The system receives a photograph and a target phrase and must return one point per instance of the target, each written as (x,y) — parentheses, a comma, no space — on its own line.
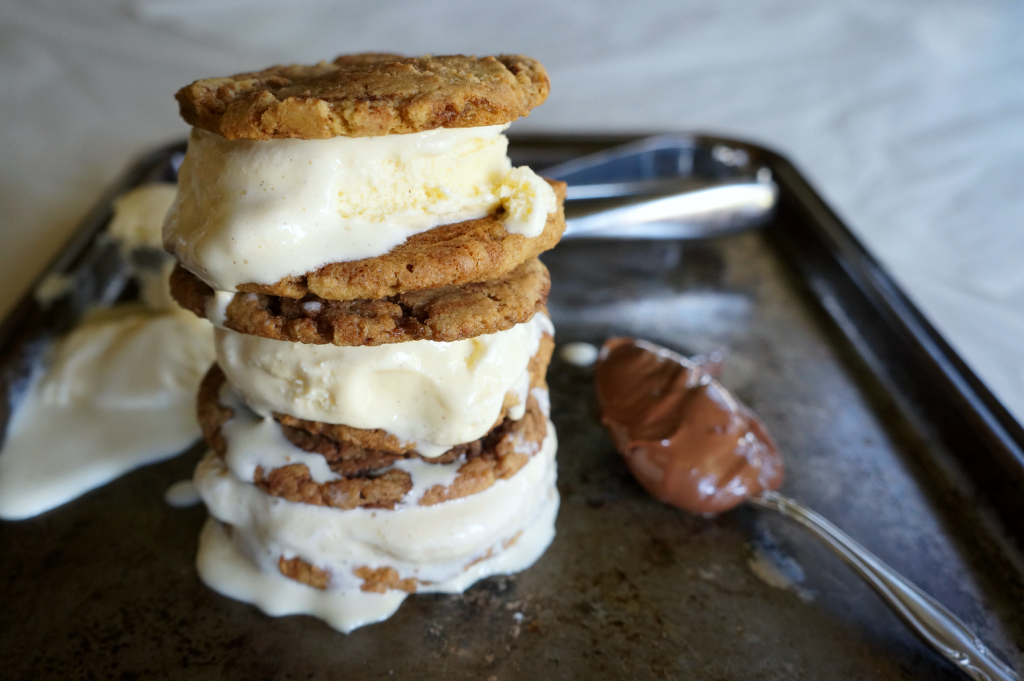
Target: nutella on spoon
(685,438)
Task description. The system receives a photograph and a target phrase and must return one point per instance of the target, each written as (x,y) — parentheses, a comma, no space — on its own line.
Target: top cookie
(364,95)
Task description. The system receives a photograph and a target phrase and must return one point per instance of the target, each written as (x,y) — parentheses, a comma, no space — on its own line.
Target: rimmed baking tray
(884,429)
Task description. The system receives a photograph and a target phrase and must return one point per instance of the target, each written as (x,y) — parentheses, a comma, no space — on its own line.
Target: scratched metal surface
(105,587)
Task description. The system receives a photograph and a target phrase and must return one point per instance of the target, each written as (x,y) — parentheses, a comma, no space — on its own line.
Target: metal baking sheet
(883,429)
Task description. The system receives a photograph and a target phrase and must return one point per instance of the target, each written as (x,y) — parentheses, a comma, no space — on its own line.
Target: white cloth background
(907,115)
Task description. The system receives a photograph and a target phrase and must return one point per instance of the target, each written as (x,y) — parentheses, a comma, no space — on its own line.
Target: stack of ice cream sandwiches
(378,415)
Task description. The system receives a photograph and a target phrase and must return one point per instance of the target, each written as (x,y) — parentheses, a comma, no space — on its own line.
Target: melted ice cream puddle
(117,393)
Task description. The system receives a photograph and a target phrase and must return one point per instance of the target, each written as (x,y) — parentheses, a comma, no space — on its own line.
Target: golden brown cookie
(459,253)
(380,580)
(301,571)
(497,456)
(365,482)
(377,580)
(363,95)
(448,313)
(294,483)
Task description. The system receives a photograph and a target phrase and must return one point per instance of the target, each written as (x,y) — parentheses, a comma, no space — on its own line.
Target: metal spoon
(926,617)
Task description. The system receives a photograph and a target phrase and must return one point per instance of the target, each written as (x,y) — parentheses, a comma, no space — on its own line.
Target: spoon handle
(926,617)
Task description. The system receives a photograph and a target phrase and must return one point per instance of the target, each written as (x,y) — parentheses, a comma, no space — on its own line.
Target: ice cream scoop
(692,444)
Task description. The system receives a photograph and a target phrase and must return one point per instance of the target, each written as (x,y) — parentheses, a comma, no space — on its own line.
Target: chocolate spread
(686,438)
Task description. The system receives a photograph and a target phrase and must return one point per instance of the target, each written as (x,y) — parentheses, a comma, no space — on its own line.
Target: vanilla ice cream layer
(260,211)
(433,544)
(226,569)
(117,393)
(436,395)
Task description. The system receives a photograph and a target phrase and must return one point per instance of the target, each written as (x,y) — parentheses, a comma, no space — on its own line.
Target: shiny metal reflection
(695,192)
(698,214)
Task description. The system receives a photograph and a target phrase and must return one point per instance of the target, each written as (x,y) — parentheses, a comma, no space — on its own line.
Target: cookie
(366,481)
(447,313)
(459,253)
(301,571)
(363,95)
(497,456)
(294,483)
(380,580)
(375,580)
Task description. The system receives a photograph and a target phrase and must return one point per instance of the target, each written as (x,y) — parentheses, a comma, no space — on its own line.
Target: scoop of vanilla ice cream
(434,394)
(259,211)
(107,361)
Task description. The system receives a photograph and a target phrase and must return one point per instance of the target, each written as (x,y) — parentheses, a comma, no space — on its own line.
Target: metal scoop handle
(926,617)
(727,208)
